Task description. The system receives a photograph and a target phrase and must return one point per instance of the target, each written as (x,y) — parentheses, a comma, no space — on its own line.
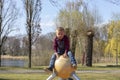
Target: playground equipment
(63,69)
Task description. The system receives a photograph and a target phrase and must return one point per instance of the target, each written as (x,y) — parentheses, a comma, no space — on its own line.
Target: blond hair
(60,29)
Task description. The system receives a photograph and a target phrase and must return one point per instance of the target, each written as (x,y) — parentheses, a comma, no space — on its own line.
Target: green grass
(84,76)
(38,76)
(23,76)
(99,76)
(82,68)
(99,67)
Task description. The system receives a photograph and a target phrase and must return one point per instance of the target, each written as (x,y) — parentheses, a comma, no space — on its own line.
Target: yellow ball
(63,67)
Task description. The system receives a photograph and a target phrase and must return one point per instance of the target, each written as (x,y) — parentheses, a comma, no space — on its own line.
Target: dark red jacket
(61,46)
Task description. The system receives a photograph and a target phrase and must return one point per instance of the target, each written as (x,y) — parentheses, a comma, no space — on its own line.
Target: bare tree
(32,11)
(116,2)
(12,46)
(24,46)
(8,15)
(9,44)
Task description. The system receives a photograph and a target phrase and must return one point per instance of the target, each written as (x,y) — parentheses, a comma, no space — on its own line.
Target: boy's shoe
(49,69)
(74,66)
(70,79)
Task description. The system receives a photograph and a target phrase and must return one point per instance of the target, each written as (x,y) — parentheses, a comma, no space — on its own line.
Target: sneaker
(74,66)
(70,79)
(49,69)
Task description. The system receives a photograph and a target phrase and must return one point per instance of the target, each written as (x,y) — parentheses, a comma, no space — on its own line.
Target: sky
(49,13)
(105,8)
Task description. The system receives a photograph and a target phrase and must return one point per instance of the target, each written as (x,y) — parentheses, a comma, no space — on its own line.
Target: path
(42,71)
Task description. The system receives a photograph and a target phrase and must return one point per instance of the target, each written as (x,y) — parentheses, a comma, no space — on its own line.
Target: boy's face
(59,34)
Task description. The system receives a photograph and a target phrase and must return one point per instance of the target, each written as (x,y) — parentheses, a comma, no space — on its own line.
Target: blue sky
(49,13)
(105,8)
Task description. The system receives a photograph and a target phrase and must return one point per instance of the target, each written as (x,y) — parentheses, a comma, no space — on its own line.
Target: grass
(23,76)
(84,76)
(81,68)
(38,76)
(98,67)
(99,76)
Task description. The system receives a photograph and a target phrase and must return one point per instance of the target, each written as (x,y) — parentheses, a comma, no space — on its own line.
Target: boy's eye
(60,34)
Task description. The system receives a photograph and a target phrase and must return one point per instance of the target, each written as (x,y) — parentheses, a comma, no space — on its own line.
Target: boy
(61,47)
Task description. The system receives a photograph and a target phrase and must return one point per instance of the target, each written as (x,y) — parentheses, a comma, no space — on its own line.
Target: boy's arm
(55,45)
(67,46)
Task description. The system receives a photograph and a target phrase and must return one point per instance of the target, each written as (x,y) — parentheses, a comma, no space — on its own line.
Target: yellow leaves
(110,29)
(114,27)
(113,45)
(107,49)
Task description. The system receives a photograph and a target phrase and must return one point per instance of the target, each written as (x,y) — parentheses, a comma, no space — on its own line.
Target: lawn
(109,75)
(83,76)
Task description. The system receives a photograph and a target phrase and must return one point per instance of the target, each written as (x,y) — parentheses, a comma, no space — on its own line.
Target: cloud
(48,26)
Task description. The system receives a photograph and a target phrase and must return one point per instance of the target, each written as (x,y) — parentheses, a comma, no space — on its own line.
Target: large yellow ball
(63,67)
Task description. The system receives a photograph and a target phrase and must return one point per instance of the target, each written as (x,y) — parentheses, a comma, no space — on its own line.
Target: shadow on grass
(113,66)
(108,66)
(4,79)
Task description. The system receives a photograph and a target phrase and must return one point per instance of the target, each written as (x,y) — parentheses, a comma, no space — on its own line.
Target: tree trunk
(0,38)
(74,42)
(30,47)
(0,55)
(89,48)
(73,39)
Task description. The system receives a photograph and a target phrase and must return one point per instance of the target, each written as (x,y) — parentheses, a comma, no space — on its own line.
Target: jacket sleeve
(67,44)
(55,45)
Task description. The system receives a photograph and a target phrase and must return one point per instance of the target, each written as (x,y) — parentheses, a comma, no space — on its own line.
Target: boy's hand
(64,55)
(57,56)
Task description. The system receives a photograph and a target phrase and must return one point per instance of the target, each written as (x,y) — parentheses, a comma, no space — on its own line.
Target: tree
(113,44)
(116,2)
(13,46)
(71,18)
(91,20)
(8,15)
(89,48)
(100,38)
(43,47)
(32,11)
(25,46)
(79,19)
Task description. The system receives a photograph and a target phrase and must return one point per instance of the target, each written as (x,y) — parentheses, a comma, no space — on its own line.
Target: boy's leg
(75,76)
(52,61)
(52,76)
(72,58)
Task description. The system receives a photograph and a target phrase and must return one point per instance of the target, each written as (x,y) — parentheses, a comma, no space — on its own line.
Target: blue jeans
(70,55)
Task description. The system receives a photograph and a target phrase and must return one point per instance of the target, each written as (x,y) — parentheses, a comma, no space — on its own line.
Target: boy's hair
(60,29)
